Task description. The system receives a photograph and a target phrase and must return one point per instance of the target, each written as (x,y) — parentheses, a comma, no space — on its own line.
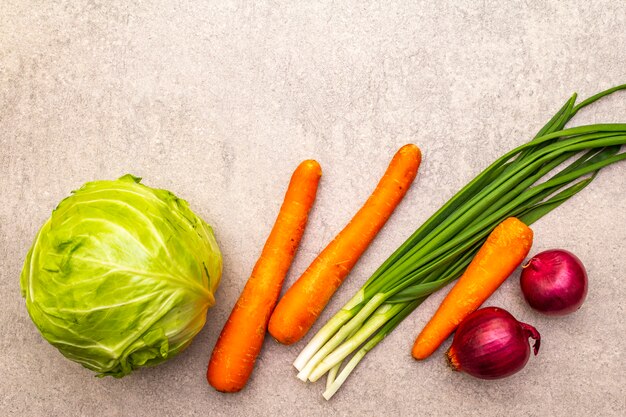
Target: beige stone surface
(219,101)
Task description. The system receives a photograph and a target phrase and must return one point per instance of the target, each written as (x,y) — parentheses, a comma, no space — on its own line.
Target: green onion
(525,182)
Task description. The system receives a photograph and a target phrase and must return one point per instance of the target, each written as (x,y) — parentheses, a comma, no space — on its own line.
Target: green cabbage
(121,276)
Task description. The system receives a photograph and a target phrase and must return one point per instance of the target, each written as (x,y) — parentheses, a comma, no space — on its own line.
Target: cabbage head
(121,276)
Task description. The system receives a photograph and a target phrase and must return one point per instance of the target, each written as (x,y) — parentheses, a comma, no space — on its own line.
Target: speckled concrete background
(219,102)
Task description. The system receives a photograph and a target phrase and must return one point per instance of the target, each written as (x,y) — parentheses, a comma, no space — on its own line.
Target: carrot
(240,342)
(304,301)
(503,251)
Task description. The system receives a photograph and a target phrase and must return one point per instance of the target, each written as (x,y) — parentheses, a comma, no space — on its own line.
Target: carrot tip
(312,165)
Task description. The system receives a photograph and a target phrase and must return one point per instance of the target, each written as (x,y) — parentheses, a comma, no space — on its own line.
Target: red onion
(491,344)
(554,282)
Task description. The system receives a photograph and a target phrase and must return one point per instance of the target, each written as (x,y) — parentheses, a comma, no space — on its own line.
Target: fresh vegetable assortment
(121,276)
(522,183)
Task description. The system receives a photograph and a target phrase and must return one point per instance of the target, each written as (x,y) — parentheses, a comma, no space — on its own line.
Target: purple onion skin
(491,344)
(554,282)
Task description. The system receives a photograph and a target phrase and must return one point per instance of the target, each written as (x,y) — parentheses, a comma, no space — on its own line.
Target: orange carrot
(503,251)
(304,301)
(242,337)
